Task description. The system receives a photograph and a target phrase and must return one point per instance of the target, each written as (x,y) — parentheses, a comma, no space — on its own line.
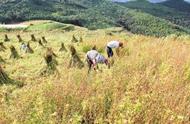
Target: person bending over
(111,45)
(93,58)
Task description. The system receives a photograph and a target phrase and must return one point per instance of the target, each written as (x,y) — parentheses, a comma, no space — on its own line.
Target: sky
(153,1)
(187,1)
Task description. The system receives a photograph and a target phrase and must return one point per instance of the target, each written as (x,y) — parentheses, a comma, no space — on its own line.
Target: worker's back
(92,54)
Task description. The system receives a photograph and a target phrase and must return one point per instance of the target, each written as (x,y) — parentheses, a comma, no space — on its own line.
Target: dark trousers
(90,63)
(109,52)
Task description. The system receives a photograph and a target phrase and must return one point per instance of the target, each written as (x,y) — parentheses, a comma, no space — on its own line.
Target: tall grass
(149,82)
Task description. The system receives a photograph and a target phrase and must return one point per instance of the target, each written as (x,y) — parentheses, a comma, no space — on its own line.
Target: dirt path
(13,26)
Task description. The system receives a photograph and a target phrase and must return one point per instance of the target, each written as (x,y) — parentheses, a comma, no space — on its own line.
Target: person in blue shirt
(23,47)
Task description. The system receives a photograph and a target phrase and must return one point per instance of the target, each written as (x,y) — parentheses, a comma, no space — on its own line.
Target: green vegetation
(46,26)
(180,5)
(93,14)
(160,10)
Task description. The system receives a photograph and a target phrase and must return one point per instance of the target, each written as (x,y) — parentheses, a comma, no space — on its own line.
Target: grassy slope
(151,78)
(46,26)
(41,25)
(91,14)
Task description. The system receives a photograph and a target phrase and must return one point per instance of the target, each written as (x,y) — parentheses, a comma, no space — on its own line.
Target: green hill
(180,5)
(169,10)
(88,13)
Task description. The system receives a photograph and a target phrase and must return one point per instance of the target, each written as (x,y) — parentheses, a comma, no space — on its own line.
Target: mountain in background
(152,1)
(170,10)
(179,5)
(96,14)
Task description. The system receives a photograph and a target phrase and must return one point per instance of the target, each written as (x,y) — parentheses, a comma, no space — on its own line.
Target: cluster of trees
(180,5)
(93,14)
(169,10)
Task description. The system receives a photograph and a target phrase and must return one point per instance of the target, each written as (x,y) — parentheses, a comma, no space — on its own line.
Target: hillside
(180,5)
(169,10)
(148,83)
(93,14)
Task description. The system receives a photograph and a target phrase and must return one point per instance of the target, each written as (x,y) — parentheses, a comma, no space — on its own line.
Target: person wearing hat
(93,57)
(111,45)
